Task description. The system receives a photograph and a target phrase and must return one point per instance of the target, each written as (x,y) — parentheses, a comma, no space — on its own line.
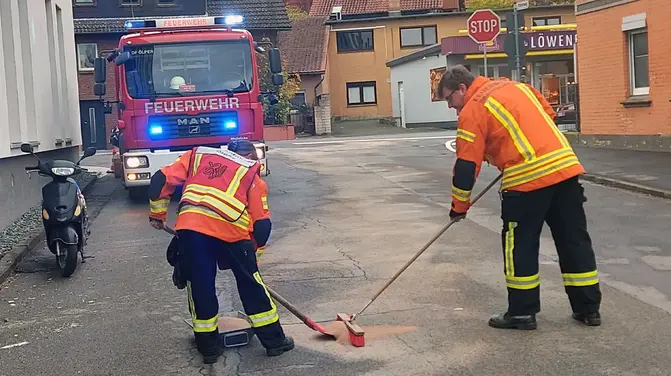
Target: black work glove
(455,216)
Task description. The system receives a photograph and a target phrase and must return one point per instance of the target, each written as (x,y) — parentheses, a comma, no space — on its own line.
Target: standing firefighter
(220,204)
(511,125)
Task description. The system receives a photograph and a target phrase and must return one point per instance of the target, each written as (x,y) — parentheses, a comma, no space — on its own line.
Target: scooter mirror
(27,148)
(90,151)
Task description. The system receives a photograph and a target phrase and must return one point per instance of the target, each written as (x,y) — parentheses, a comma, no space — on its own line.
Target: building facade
(38,96)
(364,36)
(623,72)
(99,25)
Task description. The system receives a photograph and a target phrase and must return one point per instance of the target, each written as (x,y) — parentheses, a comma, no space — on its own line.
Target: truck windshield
(194,68)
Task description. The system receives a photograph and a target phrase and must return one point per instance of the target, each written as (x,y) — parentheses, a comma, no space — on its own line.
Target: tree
(489,4)
(295,13)
(279,112)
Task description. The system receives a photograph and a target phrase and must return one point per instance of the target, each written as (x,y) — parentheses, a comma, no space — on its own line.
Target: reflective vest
(217,185)
(510,125)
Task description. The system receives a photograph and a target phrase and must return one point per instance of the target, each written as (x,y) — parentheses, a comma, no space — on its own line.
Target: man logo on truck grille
(194,129)
(214,170)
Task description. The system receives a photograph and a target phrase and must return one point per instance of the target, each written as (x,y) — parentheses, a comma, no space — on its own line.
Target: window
(361,93)
(165,2)
(351,41)
(130,3)
(298,100)
(86,52)
(638,62)
(418,36)
(85,2)
(547,21)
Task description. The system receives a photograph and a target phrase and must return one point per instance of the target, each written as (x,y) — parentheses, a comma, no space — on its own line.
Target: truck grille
(163,127)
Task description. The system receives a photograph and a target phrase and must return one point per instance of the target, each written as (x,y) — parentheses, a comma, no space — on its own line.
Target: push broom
(356,334)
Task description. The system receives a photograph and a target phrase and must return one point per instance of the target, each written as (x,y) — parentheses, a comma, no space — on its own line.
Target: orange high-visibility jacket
(222,195)
(509,124)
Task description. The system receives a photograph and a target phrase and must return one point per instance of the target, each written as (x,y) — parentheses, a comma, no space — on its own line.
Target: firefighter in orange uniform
(221,200)
(511,125)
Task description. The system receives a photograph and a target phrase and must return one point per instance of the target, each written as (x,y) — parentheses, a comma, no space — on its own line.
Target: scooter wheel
(67,262)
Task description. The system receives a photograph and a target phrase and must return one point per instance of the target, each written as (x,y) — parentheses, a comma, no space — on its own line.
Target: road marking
(451,145)
(372,140)
(14,345)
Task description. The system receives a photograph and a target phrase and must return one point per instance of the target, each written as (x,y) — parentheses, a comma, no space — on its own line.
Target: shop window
(86,53)
(418,36)
(359,93)
(547,21)
(353,41)
(638,62)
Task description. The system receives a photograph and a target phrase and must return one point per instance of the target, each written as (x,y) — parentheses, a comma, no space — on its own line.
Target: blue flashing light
(155,130)
(135,24)
(230,124)
(230,20)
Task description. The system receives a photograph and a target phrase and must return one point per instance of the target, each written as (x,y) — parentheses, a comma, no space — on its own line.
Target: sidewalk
(642,171)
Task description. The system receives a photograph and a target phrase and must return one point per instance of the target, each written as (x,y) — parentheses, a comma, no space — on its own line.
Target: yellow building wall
(371,65)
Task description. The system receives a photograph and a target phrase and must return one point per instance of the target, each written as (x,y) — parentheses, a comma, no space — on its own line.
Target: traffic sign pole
(518,67)
(483,27)
(484,49)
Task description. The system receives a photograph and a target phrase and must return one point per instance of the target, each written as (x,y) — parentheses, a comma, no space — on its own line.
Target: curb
(13,257)
(633,187)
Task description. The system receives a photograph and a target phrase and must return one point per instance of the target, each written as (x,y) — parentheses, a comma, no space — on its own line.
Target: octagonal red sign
(483,25)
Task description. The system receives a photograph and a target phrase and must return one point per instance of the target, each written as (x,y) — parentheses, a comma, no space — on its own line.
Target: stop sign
(483,25)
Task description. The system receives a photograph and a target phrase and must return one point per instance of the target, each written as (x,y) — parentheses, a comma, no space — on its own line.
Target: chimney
(394,5)
(451,5)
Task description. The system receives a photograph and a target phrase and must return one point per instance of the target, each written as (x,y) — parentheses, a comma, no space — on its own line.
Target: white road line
(451,145)
(14,345)
(372,140)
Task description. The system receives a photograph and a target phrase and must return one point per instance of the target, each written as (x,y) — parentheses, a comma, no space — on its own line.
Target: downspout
(323,76)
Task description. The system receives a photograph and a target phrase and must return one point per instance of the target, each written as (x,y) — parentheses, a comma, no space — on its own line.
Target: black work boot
(506,321)
(589,319)
(210,346)
(287,345)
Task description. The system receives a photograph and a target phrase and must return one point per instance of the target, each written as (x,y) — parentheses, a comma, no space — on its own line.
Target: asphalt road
(347,214)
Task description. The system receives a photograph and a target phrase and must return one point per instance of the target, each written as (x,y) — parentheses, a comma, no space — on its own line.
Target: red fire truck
(181,83)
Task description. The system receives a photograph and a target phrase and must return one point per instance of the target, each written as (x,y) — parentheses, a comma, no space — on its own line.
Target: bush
(277,114)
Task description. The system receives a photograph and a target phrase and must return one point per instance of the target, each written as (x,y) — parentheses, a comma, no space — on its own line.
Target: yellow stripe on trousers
(581,279)
(200,326)
(264,318)
(509,249)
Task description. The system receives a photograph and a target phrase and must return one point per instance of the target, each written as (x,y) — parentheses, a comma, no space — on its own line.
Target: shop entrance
(553,79)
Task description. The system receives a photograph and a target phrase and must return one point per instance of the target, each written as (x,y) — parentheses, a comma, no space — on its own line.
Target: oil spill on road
(341,333)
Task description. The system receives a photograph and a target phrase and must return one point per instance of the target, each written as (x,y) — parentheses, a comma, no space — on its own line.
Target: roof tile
(304,47)
(352,7)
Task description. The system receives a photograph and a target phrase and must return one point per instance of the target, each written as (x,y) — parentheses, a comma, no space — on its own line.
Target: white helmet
(176,82)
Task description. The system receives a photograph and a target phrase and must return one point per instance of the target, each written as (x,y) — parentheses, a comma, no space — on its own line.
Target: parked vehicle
(565,114)
(64,213)
(182,83)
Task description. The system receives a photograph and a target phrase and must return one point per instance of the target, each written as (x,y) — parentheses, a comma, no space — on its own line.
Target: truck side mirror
(275,60)
(278,79)
(100,67)
(99,89)
(122,59)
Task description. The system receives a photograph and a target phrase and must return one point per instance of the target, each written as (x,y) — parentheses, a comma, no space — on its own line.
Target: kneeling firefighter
(220,204)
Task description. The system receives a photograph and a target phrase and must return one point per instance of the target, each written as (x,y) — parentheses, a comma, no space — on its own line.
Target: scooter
(64,213)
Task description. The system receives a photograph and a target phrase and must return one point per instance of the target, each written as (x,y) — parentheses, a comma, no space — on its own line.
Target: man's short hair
(453,77)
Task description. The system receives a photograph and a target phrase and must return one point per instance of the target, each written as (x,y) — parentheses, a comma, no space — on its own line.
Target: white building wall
(38,89)
(419,109)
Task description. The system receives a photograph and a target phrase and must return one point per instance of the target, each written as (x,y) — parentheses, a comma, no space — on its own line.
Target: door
(401,103)
(93,124)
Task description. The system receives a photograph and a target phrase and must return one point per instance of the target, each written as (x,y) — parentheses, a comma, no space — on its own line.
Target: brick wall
(603,71)
(323,115)
(87,79)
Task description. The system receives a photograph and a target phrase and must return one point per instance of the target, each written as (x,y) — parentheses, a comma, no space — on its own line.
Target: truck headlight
(137,162)
(260,153)
(62,171)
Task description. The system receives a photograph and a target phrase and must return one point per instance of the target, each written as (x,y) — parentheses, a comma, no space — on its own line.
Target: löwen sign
(538,41)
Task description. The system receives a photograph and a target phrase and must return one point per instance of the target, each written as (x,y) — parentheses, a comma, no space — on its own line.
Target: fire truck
(181,83)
